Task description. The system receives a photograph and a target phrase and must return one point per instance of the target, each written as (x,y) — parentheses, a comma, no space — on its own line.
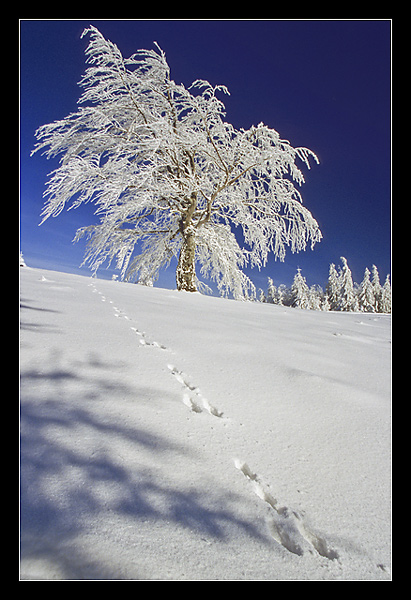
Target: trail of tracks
(286,525)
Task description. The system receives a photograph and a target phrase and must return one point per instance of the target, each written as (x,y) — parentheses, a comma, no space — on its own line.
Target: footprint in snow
(145,342)
(192,396)
(286,526)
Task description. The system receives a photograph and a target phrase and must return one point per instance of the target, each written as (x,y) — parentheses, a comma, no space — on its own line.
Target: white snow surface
(174,436)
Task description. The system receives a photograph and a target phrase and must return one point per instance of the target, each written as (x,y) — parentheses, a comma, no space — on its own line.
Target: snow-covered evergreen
(385,301)
(366,297)
(341,294)
(333,288)
(376,288)
(271,292)
(315,298)
(300,292)
(348,299)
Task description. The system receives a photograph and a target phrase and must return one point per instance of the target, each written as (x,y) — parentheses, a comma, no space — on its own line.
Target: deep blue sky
(323,84)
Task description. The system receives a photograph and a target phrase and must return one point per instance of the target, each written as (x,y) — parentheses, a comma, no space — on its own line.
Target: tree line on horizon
(341,292)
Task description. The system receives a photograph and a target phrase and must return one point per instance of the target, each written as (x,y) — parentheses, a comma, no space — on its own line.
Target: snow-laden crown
(161,165)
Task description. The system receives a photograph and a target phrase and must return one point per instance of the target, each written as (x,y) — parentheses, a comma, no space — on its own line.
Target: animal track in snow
(192,396)
(120,314)
(286,526)
(145,342)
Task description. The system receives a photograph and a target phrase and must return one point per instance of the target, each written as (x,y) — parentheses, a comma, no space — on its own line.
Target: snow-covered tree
(325,304)
(341,292)
(333,288)
(271,295)
(348,300)
(377,289)
(315,297)
(283,294)
(385,301)
(366,298)
(300,291)
(170,177)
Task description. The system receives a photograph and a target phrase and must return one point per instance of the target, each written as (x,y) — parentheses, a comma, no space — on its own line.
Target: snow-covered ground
(173,436)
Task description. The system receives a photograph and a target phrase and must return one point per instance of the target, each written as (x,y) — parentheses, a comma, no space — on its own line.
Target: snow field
(174,436)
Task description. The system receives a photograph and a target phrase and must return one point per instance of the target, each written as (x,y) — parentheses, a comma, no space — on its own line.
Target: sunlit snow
(174,436)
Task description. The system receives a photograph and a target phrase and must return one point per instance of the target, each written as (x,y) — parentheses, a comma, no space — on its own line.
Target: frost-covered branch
(170,177)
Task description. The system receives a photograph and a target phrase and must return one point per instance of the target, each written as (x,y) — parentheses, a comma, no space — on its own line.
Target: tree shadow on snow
(81,465)
(35,326)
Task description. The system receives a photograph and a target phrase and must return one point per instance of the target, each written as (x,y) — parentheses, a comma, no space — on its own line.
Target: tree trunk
(185,273)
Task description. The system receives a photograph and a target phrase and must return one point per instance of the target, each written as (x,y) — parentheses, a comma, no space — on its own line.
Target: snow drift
(173,436)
